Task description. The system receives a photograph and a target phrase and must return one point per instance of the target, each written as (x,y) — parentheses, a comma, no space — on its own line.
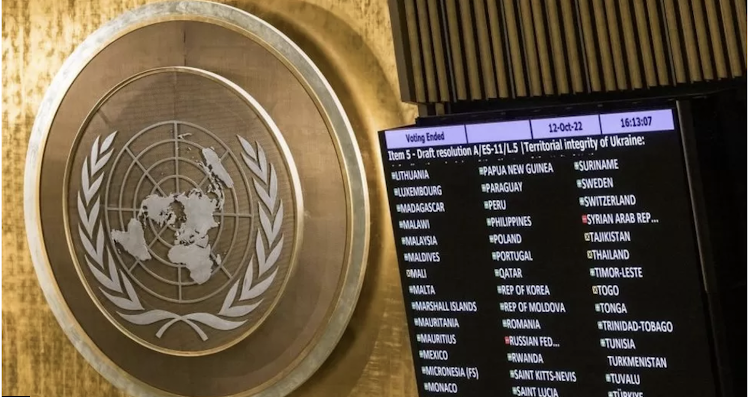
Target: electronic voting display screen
(550,256)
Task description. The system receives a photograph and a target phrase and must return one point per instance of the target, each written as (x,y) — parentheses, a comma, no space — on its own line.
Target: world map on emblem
(186,219)
(191,213)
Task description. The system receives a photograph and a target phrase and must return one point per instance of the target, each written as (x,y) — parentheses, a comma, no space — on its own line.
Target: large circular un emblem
(182,228)
(196,205)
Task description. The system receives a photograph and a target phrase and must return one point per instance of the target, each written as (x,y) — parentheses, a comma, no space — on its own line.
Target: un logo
(196,205)
(185,233)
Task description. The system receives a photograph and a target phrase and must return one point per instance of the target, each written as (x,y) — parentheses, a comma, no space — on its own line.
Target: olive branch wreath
(91,232)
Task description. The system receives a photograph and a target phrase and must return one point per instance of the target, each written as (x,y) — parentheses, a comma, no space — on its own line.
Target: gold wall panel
(351,42)
(533,48)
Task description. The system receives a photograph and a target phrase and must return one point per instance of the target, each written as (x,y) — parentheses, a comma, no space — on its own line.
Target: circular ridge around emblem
(270,354)
(163,87)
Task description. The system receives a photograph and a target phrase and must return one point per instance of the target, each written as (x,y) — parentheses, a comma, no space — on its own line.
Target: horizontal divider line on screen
(543,128)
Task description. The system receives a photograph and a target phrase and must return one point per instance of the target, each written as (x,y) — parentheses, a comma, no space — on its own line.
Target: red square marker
(507,340)
(585,219)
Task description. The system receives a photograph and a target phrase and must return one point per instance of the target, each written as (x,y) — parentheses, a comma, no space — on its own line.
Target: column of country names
(438,314)
(617,218)
(529,300)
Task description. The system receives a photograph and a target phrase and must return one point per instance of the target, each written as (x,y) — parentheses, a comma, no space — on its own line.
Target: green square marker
(597,307)
(599,324)
(602,342)
(607,377)
(575,166)
(579,184)
(592,272)
(510,357)
(581,201)
(511,374)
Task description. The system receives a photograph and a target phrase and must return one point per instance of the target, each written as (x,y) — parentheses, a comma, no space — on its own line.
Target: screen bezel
(711,300)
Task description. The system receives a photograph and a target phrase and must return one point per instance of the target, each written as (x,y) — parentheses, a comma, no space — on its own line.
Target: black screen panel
(550,256)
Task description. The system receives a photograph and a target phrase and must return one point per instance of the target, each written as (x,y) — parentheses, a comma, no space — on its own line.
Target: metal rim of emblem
(343,139)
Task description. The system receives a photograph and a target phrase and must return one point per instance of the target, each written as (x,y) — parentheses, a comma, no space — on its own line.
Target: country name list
(548,257)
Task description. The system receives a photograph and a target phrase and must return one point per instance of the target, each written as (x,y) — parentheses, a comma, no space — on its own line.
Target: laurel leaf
(277,222)
(87,220)
(94,150)
(122,303)
(274,189)
(259,288)
(149,317)
(81,208)
(272,257)
(260,250)
(263,163)
(251,164)
(107,142)
(248,280)
(265,223)
(93,189)
(263,194)
(113,272)
(213,321)
(102,278)
(100,245)
(229,299)
(94,215)
(239,311)
(85,179)
(101,163)
(89,248)
(248,148)
(131,292)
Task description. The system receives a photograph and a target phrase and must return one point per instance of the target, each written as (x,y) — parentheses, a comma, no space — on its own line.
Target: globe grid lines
(161,231)
(158,184)
(147,173)
(113,278)
(158,234)
(136,162)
